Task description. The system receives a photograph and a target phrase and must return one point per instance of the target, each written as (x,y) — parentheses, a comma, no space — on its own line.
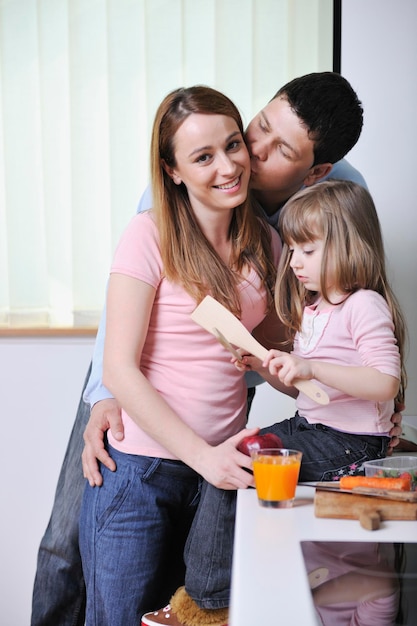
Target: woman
(183,400)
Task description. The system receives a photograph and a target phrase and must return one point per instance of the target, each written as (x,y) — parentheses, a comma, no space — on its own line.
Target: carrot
(402,483)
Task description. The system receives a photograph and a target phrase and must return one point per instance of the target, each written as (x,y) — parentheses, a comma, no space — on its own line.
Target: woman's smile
(232,186)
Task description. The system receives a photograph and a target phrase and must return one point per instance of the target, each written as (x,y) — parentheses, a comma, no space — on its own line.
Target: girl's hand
(288,367)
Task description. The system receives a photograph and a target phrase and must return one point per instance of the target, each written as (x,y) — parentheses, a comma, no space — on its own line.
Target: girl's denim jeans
(328,454)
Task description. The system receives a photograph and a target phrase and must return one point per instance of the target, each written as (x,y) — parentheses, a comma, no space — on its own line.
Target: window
(80,81)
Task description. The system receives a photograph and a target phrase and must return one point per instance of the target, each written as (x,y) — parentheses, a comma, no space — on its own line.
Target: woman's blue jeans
(132,535)
(327,454)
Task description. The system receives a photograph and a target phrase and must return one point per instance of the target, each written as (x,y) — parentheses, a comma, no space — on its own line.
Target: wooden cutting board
(368,510)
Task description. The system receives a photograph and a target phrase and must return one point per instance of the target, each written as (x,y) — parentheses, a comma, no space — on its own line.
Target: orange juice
(276,474)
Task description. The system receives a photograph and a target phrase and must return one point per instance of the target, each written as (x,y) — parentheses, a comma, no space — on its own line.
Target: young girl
(348,331)
(181,396)
(348,335)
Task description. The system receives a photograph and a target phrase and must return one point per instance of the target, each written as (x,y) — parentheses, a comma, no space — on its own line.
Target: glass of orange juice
(276,473)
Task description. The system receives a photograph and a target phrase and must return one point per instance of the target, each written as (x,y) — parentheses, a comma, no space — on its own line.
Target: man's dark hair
(330,110)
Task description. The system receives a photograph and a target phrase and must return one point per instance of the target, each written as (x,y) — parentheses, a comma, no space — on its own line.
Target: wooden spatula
(226,344)
(212,315)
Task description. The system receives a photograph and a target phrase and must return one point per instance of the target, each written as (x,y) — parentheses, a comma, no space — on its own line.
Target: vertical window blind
(80,81)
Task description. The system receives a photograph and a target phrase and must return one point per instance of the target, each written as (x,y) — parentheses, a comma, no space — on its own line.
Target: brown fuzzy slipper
(183,611)
(190,613)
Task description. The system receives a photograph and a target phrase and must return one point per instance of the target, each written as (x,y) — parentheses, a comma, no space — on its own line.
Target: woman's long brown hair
(187,255)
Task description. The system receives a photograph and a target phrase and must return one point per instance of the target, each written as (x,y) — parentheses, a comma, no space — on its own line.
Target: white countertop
(269,580)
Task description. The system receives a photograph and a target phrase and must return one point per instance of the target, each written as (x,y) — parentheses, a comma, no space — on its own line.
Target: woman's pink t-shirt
(184,362)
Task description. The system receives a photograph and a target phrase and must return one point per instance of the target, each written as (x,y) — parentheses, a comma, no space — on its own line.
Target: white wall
(379,58)
(41,381)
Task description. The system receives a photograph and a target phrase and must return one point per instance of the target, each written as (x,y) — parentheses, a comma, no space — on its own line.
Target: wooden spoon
(213,316)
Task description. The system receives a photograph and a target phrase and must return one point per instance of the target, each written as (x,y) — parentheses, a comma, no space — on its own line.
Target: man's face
(281,153)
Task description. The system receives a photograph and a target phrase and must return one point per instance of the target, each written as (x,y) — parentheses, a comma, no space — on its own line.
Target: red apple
(256,442)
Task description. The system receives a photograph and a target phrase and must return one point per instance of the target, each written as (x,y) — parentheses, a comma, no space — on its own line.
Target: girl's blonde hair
(188,257)
(343,214)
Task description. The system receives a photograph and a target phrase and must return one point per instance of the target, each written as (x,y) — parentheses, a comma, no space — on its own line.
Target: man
(298,139)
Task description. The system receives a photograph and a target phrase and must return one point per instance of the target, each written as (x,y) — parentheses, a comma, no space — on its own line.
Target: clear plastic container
(393,467)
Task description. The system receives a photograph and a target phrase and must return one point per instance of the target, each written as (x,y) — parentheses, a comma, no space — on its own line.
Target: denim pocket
(356,450)
(353,467)
(113,493)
